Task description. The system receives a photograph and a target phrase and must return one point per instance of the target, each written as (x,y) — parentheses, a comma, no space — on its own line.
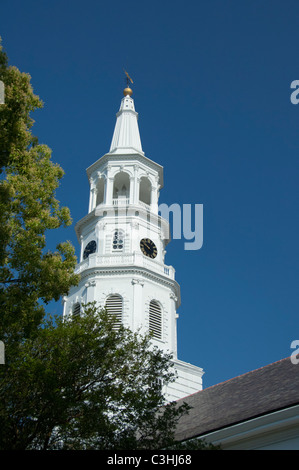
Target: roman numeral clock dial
(148,248)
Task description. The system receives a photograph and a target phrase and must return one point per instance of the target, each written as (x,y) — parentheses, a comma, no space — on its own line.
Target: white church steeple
(123,240)
(126,137)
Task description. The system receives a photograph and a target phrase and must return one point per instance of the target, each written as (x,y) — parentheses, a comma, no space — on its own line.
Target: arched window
(114,307)
(76,309)
(155,319)
(121,188)
(118,240)
(90,248)
(145,189)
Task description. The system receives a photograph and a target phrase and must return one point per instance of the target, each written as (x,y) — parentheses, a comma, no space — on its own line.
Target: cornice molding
(130,216)
(136,273)
(133,157)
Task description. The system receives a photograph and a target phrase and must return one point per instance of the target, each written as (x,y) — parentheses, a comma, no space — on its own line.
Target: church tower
(123,240)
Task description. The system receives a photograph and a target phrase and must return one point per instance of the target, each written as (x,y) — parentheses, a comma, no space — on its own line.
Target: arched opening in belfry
(100,191)
(145,190)
(121,186)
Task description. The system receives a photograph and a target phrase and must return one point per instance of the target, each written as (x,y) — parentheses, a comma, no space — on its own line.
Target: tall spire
(126,137)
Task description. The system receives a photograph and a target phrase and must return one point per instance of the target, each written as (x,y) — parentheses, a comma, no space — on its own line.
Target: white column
(108,187)
(94,198)
(137,319)
(91,195)
(154,199)
(81,253)
(132,184)
(135,195)
(106,190)
(137,186)
(109,192)
(64,301)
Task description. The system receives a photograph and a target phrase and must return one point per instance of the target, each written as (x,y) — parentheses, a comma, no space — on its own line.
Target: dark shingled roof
(256,393)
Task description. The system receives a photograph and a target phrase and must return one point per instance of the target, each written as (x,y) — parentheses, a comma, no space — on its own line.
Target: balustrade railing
(120,201)
(128,259)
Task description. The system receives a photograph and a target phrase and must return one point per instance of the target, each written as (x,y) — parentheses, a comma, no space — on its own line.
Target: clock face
(148,248)
(89,249)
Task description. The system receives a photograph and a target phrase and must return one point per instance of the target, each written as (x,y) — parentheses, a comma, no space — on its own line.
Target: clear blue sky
(212,89)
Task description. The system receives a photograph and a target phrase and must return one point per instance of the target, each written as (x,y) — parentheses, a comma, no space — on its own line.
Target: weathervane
(128,79)
(127,90)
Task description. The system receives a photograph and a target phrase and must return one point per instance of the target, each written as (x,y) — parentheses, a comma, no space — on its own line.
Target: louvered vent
(76,308)
(155,319)
(114,306)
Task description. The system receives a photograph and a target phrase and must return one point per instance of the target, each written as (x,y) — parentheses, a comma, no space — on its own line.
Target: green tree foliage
(77,383)
(30,276)
(82,384)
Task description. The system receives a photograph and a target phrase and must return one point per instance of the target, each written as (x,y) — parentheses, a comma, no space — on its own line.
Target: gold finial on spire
(127,90)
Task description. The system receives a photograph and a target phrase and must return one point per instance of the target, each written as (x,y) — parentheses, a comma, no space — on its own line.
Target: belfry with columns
(123,240)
